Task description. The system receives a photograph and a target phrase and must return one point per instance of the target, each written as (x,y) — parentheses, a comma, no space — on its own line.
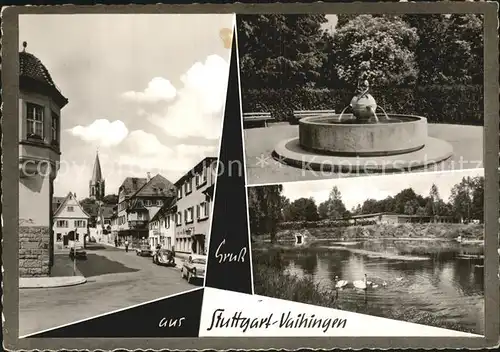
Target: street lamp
(74,253)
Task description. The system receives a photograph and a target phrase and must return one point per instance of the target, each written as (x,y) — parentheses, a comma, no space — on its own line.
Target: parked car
(164,257)
(144,250)
(194,267)
(77,251)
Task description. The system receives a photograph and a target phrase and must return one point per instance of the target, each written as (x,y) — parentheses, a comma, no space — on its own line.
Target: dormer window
(70,208)
(55,128)
(34,119)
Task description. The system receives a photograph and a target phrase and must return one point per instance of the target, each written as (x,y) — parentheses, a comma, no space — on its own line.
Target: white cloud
(197,111)
(159,89)
(144,152)
(102,131)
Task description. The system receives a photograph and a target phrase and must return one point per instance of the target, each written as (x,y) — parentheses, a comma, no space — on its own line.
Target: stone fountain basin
(328,135)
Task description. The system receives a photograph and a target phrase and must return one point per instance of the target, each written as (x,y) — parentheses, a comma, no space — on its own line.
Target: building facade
(194,202)
(70,222)
(40,105)
(162,227)
(139,199)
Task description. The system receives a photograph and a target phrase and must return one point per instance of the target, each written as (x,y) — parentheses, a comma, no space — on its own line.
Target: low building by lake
(394,218)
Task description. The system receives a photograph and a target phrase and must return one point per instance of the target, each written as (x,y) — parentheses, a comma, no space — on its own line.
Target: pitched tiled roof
(30,66)
(132,184)
(66,199)
(56,203)
(158,186)
(34,75)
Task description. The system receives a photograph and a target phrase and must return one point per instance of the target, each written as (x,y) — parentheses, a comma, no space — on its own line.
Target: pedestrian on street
(126,245)
(116,242)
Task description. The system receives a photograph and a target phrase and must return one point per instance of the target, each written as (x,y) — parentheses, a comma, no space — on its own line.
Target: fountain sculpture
(362,140)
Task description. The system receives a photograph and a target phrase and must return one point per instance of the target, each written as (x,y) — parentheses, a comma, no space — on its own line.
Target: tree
(280,50)
(285,203)
(370,206)
(450,48)
(336,207)
(385,44)
(461,198)
(403,199)
(323,210)
(433,199)
(265,209)
(110,199)
(477,203)
(302,209)
(411,207)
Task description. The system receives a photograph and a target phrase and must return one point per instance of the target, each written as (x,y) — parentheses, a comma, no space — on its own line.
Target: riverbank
(428,231)
(270,280)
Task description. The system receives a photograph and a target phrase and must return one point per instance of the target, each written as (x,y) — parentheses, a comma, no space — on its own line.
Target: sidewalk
(50,282)
(61,275)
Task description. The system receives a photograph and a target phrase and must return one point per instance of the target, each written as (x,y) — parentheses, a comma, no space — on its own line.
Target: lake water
(438,286)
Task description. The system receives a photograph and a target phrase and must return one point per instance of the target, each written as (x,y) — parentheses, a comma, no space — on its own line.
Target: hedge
(459,104)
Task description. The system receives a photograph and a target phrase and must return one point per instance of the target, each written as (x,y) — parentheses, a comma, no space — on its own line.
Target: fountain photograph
(329,96)
(404,247)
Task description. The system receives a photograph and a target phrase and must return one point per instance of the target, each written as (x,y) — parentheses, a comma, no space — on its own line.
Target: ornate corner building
(40,105)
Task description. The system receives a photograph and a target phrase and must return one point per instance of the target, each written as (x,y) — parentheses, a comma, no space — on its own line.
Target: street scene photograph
(408,247)
(326,96)
(120,127)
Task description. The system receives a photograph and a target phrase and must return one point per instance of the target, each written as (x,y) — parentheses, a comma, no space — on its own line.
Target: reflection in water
(445,286)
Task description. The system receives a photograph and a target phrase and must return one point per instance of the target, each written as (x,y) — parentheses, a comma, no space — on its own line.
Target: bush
(458,104)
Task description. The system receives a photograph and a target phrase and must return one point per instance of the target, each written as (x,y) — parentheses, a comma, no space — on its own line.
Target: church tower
(96,184)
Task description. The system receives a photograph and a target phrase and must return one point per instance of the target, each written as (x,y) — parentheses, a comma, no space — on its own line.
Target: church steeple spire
(97,173)
(96,184)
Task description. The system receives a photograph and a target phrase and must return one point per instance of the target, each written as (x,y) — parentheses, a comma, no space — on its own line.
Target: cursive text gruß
(230,257)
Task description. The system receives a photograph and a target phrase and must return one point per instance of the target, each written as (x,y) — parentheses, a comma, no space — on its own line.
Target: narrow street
(115,280)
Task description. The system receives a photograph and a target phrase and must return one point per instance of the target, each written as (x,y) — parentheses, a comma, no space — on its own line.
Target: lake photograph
(405,247)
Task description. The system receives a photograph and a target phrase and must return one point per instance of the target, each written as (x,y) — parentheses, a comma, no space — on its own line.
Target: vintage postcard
(181,176)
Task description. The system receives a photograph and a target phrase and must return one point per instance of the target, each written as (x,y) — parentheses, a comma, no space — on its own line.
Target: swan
(399,279)
(384,284)
(374,286)
(360,284)
(340,283)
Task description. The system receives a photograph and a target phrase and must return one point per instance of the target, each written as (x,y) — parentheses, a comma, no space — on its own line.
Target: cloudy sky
(147,91)
(355,190)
